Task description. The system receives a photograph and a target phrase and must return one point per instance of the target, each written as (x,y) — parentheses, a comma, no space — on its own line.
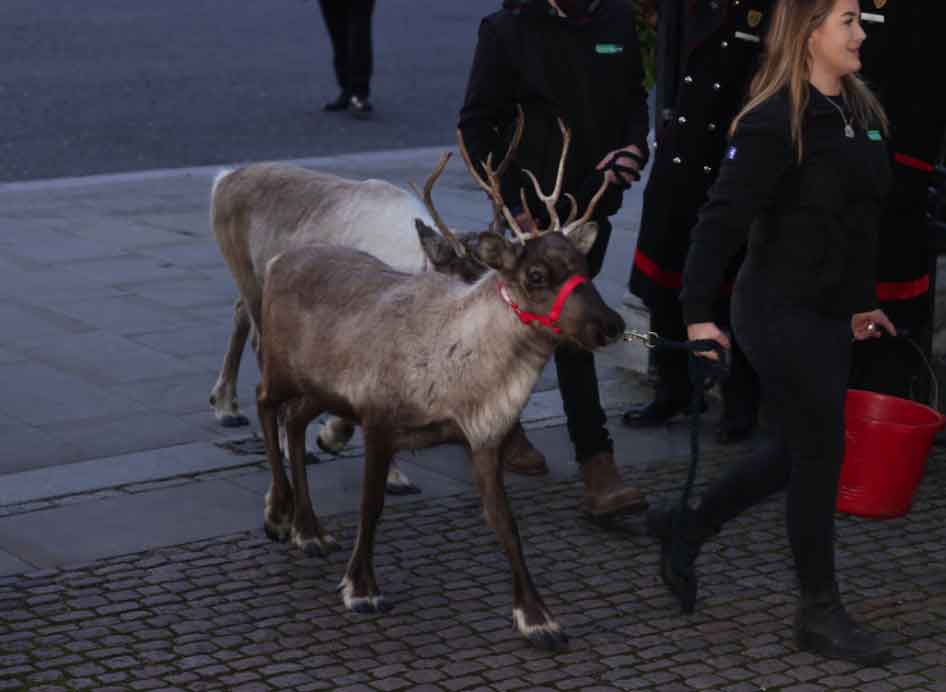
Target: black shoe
(360,104)
(732,434)
(339,104)
(678,571)
(657,412)
(823,626)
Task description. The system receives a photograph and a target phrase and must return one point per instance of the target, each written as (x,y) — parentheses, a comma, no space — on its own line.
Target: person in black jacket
(706,53)
(804,177)
(349,26)
(578,60)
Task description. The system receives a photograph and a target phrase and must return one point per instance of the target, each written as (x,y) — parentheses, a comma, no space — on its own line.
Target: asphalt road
(106,86)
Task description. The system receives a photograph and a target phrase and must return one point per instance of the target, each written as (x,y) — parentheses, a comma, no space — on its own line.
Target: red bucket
(887,441)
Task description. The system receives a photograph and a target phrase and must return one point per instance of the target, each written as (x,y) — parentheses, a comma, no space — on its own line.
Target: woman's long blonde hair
(786,64)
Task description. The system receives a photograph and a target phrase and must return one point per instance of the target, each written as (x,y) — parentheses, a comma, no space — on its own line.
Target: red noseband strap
(551,319)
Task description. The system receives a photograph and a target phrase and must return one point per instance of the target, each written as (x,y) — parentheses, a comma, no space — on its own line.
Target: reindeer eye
(535,277)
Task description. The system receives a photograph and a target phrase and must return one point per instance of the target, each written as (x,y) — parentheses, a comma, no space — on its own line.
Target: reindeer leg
(278,509)
(307,533)
(359,588)
(310,457)
(397,482)
(335,434)
(529,613)
(223,397)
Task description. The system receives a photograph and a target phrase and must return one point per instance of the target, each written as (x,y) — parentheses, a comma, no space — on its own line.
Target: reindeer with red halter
(422,360)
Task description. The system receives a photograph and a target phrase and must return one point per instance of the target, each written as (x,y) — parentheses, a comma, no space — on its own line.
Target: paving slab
(13,565)
(92,530)
(102,473)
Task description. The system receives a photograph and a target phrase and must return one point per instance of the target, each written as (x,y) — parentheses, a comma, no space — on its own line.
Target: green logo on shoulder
(874,135)
(609,48)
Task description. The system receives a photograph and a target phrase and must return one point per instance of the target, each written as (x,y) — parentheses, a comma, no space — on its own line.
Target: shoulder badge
(754,18)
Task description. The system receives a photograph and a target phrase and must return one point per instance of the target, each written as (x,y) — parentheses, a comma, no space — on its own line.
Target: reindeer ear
(437,248)
(496,252)
(584,236)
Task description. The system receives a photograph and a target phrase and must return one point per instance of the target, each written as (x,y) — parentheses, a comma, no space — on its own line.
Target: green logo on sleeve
(874,135)
(609,48)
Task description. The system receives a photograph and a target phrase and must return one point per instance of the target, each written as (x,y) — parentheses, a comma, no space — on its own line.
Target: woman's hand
(870,325)
(707,330)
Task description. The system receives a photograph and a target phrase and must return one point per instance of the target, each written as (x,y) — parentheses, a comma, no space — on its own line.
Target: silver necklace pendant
(848,131)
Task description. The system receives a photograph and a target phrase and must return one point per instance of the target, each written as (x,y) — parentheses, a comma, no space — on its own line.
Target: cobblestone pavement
(241,613)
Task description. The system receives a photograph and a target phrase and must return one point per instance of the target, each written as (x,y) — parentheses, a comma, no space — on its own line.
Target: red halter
(551,319)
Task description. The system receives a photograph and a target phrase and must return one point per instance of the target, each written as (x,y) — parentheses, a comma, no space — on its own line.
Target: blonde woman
(804,180)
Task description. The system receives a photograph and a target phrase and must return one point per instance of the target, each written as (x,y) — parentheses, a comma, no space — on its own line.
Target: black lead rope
(703,371)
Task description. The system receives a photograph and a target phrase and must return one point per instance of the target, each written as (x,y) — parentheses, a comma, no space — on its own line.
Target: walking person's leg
(335,13)
(605,494)
(360,53)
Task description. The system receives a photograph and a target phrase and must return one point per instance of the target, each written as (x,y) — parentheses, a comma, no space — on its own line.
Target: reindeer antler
(551,200)
(572,225)
(491,183)
(428,201)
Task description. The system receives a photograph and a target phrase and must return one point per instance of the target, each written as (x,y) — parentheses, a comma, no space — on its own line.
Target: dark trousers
(349,27)
(802,359)
(740,390)
(578,380)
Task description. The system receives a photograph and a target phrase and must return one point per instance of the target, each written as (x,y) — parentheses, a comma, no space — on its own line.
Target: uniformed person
(578,60)
(804,178)
(901,55)
(707,51)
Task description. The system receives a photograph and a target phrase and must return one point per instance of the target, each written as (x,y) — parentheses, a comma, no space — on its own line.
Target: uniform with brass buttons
(714,54)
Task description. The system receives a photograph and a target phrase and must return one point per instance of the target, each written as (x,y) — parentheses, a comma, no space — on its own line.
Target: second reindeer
(421,360)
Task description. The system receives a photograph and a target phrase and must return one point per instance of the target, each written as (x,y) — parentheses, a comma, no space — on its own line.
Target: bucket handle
(934,383)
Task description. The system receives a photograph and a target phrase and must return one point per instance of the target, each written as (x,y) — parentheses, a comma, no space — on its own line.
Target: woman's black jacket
(813,224)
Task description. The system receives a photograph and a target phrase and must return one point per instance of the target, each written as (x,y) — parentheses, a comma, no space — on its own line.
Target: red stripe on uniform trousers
(659,276)
(903,290)
(905,160)
(666,279)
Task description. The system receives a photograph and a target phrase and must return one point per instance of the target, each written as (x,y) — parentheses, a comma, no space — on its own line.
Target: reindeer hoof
(369,605)
(544,634)
(317,546)
(549,640)
(234,421)
(401,488)
(277,534)
(361,604)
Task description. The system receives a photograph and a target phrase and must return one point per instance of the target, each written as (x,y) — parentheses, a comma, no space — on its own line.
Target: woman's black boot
(823,626)
(681,535)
